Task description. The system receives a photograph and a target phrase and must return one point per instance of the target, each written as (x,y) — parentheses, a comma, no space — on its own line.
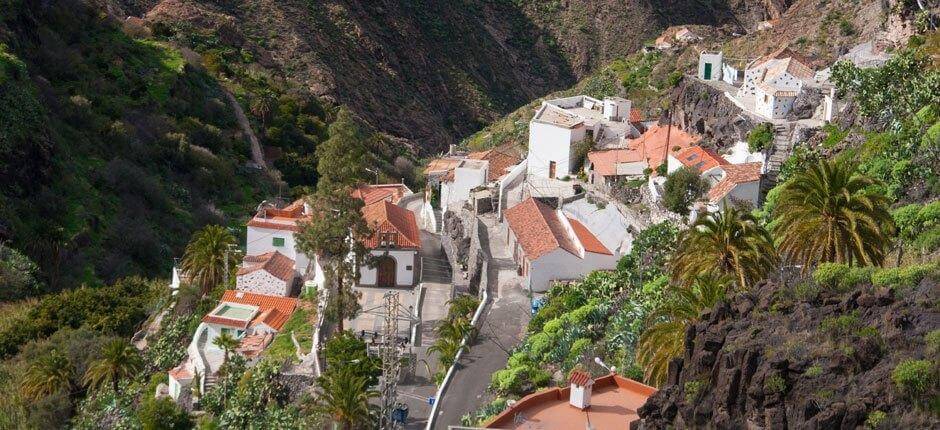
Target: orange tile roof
(735,174)
(441,165)
(700,158)
(252,345)
(636,115)
(181,372)
(614,402)
(373,193)
(286,218)
(782,53)
(538,229)
(384,218)
(275,263)
(652,144)
(500,162)
(580,378)
(588,240)
(272,310)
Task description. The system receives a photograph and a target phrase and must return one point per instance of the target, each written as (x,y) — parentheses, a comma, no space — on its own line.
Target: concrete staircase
(438,220)
(776,156)
(211,380)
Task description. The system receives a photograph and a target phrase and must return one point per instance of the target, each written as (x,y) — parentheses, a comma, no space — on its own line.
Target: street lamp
(610,369)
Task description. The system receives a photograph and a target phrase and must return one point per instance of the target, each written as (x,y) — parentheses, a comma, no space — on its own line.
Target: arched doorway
(385,272)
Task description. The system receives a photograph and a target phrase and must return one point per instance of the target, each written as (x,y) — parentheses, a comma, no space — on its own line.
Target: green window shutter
(278,241)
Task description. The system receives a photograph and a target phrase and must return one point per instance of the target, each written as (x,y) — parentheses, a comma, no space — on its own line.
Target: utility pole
(391,361)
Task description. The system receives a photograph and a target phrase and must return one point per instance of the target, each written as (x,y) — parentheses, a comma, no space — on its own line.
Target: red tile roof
(181,372)
(500,162)
(231,322)
(275,263)
(580,378)
(272,310)
(605,162)
(652,144)
(286,218)
(636,115)
(385,218)
(782,53)
(700,158)
(373,193)
(588,240)
(538,229)
(442,165)
(614,402)
(735,174)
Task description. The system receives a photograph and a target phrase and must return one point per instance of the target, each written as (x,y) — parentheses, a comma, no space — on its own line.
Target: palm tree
(665,339)
(730,242)
(344,396)
(447,349)
(204,260)
(47,375)
(227,343)
(827,214)
(119,360)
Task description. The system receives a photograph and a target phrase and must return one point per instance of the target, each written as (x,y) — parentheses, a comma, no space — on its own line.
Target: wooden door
(386,272)
(551,169)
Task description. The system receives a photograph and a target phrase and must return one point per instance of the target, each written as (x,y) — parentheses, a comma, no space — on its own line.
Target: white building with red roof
(273,229)
(252,319)
(737,184)
(270,273)
(549,246)
(393,244)
(377,192)
(641,155)
(560,125)
(774,81)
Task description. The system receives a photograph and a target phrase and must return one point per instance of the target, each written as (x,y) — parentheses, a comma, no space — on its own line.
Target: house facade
(393,245)
(549,246)
(271,274)
(273,229)
(737,184)
(710,65)
(560,125)
(774,81)
(252,319)
(641,156)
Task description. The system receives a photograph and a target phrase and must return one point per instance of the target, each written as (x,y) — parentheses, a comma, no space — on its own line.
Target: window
(277,241)
(766,99)
(408,268)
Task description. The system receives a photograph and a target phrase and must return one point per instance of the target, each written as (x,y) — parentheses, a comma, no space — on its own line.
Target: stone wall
(706,111)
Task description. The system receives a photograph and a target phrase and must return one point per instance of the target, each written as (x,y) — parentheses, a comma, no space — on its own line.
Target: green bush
(760,137)
(875,418)
(162,414)
(902,277)
(693,389)
(682,188)
(932,340)
(841,277)
(813,371)
(841,326)
(914,378)
(775,384)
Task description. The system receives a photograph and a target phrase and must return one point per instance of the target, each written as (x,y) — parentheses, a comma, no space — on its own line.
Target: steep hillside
(429,72)
(800,357)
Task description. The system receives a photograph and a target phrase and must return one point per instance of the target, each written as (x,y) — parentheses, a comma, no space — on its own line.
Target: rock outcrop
(792,358)
(706,111)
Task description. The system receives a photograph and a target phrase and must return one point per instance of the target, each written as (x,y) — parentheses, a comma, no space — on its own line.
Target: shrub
(18,275)
(841,277)
(813,371)
(840,326)
(682,188)
(775,384)
(162,414)
(932,340)
(901,277)
(914,377)
(806,291)
(693,389)
(875,418)
(761,137)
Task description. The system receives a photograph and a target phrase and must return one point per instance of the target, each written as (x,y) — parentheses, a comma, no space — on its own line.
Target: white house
(703,160)
(394,245)
(641,156)
(549,246)
(273,229)
(561,124)
(272,274)
(710,65)
(736,184)
(376,192)
(456,185)
(774,81)
(253,319)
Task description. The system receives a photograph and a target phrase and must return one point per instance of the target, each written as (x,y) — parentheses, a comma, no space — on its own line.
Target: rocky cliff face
(791,358)
(706,111)
(432,72)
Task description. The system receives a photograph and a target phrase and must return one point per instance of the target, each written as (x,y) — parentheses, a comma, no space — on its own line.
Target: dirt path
(256,155)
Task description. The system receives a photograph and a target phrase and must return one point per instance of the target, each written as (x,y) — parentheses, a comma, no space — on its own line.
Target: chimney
(581,384)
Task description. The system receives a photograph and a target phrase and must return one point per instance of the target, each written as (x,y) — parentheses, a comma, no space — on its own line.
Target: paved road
(502,326)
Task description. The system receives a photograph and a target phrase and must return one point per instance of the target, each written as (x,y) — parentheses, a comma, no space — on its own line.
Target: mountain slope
(430,72)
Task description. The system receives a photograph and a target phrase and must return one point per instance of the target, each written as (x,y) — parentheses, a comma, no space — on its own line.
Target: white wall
(729,73)
(515,175)
(715,59)
(465,179)
(403,276)
(748,192)
(672,163)
(563,265)
(261,241)
(551,143)
(262,282)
